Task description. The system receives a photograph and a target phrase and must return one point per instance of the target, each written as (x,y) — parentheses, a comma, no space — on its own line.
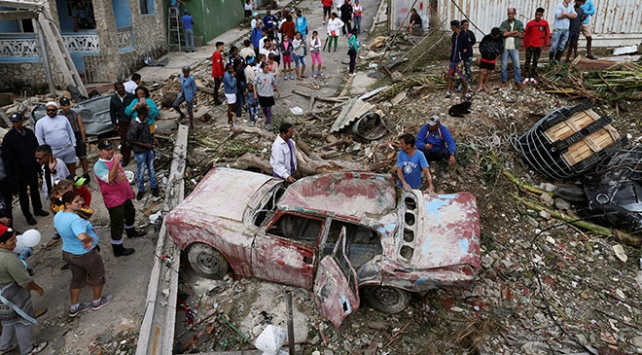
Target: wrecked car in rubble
(344,235)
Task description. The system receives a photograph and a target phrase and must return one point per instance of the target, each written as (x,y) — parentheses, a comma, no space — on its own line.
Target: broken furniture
(568,142)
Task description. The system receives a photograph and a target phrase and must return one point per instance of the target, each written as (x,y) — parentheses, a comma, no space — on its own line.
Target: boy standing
(142,142)
(490,47)
(535,37)
(459,40)
(218,70)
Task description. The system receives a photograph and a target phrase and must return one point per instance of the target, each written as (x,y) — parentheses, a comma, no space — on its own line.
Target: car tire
(386,299)
(207,261)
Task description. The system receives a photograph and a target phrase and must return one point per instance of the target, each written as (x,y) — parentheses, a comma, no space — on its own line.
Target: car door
(335,285)
(285,250)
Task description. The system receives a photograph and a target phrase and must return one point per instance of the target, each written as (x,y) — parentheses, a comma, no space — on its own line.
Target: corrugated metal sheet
(613,18)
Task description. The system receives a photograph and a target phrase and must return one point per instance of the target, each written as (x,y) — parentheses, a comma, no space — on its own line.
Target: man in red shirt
(535,37)
(218,70)
(327,9)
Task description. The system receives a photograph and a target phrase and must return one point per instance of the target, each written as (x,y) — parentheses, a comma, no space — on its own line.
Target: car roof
(344,193)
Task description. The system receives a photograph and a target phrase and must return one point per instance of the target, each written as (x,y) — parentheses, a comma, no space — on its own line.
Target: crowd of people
(50,153)
(279,44)
(570,20)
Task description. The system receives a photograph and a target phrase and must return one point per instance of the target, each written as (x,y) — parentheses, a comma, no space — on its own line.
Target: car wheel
(386,299)
(207,261)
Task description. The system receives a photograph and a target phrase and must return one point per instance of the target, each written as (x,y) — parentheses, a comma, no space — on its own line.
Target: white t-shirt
(510,41)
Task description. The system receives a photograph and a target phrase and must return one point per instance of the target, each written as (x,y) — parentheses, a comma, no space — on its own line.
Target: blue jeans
(558,41)
(514,57)
(142,160)
(357,23)
(189,40)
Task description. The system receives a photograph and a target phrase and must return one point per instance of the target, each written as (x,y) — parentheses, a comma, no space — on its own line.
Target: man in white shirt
(130,86)
(56,131)
(283,158)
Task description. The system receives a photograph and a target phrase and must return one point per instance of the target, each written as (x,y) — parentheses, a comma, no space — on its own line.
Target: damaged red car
(344,235)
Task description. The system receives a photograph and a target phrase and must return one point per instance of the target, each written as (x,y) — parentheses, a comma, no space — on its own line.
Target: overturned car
(344,235)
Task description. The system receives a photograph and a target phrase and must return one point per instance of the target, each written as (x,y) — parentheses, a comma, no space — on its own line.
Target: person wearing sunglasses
(56,131)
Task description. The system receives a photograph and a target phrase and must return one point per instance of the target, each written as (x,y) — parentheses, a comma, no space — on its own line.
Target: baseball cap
(185,11)
(434,120)
(105,144)
(79,180)
(51,103)
(65,101)
(16,117)
(255,14)
(5,233)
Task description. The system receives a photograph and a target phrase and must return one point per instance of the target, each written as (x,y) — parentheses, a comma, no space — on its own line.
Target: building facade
(122,34)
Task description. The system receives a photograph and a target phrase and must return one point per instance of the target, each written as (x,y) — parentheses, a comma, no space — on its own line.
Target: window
(147,7)
(267,206)
(299,228)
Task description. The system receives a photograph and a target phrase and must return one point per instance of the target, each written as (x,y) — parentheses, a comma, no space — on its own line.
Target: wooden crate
(590,144)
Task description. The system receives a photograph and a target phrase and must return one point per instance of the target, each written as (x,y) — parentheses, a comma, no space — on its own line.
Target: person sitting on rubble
(437,144)
(415,22)
(410,164)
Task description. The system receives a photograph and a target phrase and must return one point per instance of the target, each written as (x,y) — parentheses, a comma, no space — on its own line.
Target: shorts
(287,59)
(586,30)
(66,154)
(266,101)
(86,264)
(456,70)
(573,38)
(299,59)
(231,98)
(327,10)
(486,65)
(81,147)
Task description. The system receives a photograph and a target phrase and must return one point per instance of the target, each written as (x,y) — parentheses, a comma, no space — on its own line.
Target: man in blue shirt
(410,164)
(301,25)
(188,26)
(589,10)
(188,94)
(269,21)
(437,144)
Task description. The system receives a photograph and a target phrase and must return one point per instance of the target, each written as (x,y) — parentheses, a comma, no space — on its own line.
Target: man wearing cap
(117,105)
(16,310)
(187,94)
(188,26)
(53,168)
(437,144)
(117,196)
(79,132)
(18,149)
(55,131)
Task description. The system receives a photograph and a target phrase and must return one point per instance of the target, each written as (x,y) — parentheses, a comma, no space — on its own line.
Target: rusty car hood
(447,233)
(224,193)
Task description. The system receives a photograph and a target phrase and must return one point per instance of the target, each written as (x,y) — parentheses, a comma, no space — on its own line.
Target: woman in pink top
(357,10)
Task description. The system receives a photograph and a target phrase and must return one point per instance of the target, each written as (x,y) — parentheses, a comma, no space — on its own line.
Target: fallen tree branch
(523,186)
(597,229)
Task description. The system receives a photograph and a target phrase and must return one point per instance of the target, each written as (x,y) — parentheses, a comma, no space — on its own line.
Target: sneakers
(314,76)
(38,348)
(140,195)
(590,56)
(41,213)
(102,302)
(81,308)
(448,94)
(31,221)
(291,77)
(56,236)
(10,349)
(468,96)
(533,81)
(526,81)
(86,177)
(155,192)
(285,77)
(268,127)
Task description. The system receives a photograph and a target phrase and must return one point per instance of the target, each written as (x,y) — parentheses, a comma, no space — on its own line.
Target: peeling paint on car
(425,242)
